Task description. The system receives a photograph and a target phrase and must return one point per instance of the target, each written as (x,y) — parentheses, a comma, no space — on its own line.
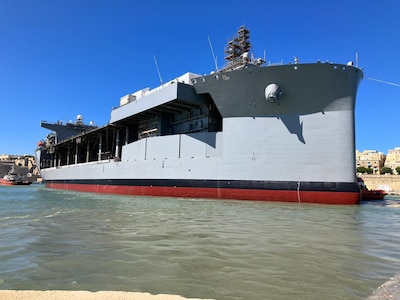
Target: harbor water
(199,248)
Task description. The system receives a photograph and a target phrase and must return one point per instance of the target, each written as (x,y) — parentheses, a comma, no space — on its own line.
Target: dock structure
(85,295)
(389,290)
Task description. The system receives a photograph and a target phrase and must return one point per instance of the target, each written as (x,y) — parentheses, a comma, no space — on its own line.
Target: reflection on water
(201,248)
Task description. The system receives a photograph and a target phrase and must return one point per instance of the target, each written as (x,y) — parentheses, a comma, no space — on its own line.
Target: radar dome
(79,119)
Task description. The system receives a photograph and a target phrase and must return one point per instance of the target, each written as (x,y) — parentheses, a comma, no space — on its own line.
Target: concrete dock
(389,290)
(84,295)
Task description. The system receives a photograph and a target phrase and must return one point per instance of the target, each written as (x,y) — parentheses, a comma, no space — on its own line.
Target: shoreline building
(371,159)
(393,159)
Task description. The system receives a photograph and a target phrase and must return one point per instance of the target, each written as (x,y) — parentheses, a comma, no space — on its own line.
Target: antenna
(212,51)
(158,70)
(357,59)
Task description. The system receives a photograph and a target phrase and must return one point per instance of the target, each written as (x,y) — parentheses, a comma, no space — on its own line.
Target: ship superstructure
(249,131)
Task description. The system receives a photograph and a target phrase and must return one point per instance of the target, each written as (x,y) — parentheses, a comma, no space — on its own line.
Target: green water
(202,248)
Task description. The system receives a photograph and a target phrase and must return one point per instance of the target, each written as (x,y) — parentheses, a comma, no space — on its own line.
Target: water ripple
(195,247)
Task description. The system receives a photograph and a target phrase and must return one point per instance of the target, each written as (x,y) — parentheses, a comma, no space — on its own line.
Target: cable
(382,81)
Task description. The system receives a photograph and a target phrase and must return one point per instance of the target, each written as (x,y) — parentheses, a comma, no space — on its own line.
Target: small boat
(367,194)
(373,194)
(13,178)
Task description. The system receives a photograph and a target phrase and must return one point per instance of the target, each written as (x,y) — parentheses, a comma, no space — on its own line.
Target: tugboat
(367,194)
(13,178)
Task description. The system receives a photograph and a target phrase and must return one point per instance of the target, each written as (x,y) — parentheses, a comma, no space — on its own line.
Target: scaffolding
(239,45)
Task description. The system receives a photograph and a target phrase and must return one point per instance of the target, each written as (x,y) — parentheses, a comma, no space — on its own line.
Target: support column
(76,153)
(87,151)
(100,145)
(126,135)
(117,145)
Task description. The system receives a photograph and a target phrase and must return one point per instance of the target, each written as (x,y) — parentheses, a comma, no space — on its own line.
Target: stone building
(393,159)
(8,158)
(371,159)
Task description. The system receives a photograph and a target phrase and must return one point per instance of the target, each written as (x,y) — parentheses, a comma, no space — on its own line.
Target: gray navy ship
(249,131)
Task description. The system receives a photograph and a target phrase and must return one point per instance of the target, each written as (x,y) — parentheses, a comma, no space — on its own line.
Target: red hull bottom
(321,197)
(373,195)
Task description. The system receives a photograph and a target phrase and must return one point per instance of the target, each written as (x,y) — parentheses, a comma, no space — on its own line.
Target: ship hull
(323,193)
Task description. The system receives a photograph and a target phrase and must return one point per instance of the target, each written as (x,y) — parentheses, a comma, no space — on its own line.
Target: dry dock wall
(389,183)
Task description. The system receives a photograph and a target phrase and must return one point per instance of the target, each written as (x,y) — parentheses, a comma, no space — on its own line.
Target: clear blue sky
(61,58)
